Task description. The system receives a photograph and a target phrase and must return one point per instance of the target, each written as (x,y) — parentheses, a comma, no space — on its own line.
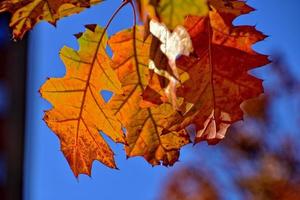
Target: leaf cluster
(178,78)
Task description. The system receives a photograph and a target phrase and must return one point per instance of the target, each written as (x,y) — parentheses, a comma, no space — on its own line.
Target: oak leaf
(79,112)
(144,125)
(26,13)
(219,79)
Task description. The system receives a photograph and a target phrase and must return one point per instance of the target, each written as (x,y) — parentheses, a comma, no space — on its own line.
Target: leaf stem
(96,52)
(92,67)
(139,73)
(134,45)
(124,3)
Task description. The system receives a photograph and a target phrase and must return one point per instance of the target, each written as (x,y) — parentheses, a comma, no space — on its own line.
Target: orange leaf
(79,112)
(144,125)
(219,80)
(26,13)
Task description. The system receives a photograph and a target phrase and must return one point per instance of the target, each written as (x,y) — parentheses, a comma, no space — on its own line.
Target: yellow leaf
(171,12)
(26,13)
(79,112)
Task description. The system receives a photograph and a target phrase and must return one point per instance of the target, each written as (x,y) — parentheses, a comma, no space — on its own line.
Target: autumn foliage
(178,78)
(252,163)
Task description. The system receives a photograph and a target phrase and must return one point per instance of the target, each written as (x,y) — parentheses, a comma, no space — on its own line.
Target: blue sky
(47,174)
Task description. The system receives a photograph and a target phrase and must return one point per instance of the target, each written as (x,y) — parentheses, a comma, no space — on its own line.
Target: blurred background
(13,69)
(259,158)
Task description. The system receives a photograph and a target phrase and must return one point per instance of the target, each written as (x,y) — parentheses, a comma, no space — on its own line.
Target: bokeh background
(258,160)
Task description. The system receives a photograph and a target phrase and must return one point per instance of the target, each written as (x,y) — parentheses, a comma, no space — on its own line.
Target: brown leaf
(26,13)
(256,108)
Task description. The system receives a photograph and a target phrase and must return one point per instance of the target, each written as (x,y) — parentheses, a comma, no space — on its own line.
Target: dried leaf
(79,112)
(26,13)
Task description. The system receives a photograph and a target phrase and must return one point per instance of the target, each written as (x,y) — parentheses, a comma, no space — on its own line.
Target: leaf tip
(213,141)
(91,27)
(78,35)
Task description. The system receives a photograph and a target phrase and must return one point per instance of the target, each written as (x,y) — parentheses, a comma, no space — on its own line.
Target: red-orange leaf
(219,79)
(79,112)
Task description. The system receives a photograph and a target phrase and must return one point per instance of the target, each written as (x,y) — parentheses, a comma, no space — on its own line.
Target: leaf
(256,108)
(143,125)
(171,12)
(219,79)
(79,112)
(26,13)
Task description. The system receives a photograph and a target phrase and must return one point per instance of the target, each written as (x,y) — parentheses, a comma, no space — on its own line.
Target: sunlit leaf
(144,125)
(171,12)
(79,112)
(219,78)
